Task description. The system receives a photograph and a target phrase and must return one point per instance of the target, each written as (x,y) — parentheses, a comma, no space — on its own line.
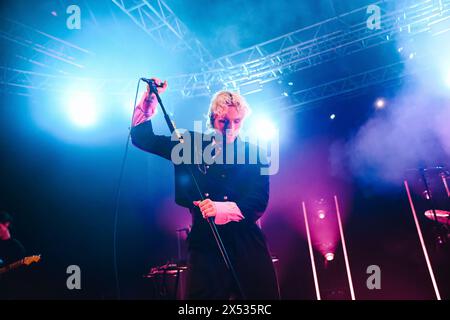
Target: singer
(236,195)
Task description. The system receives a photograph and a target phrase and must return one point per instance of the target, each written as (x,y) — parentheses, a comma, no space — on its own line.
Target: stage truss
(255,66)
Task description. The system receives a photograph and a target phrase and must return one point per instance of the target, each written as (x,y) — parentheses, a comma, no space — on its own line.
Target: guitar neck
(11,266)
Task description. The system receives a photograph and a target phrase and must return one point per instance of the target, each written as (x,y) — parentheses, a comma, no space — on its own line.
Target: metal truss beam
(314,45)
(293,52)
(42,50)
(157,19)
(345,85)
(17,81)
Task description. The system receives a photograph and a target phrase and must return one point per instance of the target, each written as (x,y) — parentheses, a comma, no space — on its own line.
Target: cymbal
(442,216)
(167,269)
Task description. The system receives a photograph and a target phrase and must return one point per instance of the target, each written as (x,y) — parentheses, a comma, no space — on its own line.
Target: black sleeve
(254,202)
(143,137)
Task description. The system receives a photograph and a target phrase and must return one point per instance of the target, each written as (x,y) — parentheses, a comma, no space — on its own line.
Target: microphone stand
(441,236)
(154,89)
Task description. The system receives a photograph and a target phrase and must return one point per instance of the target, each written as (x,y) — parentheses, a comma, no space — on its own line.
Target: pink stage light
(321,214)
(329,256)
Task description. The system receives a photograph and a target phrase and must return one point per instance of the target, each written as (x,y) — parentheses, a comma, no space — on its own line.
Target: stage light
(285,94)
(333,116)
(380,103)
(447,78)
(321,214)
(329,256)
(426,195)
(290,83)
(263,128)
(82,109)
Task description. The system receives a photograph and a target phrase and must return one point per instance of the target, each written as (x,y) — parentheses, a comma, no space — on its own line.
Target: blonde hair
(220,103)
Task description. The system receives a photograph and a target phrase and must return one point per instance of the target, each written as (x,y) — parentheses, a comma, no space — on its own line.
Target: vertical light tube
(444,180)
(344,249)
(422,243)
(311,253)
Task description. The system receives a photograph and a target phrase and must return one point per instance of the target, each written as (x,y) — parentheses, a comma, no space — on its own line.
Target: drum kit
(432,177)
(168,281)
(440,216)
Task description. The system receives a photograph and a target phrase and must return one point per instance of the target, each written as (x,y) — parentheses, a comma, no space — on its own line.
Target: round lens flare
(82,110)
(329,256)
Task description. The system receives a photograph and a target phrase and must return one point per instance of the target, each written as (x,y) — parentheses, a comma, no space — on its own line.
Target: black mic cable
(117,197)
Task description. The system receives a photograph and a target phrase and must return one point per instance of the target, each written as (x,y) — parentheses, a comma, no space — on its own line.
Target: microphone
(151,81)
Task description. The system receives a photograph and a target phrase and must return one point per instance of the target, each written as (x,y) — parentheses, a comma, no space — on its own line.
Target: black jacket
(240,183)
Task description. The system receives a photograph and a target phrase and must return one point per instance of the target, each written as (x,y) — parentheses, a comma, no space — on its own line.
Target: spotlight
(82,109)
(333,116)
(264,128)
(285,94)
(447,78)
(321,214)
(329,256)
(412,55)
(380,103)
(290,83)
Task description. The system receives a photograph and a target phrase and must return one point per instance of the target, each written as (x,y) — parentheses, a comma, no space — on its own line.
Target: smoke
(413,130)
(413,133)
(442,129)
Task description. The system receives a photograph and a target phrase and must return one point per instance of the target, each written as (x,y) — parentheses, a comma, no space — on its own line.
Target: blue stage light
(82,109)
(263,128)
(447,78)
(380,103)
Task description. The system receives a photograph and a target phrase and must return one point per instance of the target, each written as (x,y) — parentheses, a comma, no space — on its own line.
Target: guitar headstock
(31,259)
